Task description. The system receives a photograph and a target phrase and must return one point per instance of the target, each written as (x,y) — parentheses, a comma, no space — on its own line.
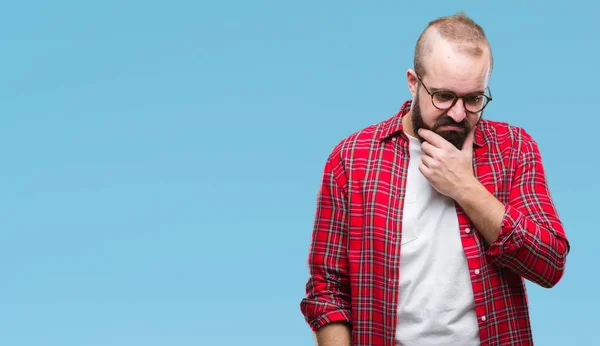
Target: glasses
(446,99)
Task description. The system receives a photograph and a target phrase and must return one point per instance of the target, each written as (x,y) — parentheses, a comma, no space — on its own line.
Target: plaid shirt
(355,247)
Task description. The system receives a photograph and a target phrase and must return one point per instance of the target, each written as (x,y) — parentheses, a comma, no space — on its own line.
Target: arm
(483,209)
(525,235)
(334,334)
(328,290)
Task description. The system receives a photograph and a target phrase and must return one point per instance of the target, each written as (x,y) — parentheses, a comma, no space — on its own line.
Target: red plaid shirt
(355,249)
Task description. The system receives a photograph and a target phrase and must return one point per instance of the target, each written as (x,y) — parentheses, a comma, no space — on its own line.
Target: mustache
(446,120)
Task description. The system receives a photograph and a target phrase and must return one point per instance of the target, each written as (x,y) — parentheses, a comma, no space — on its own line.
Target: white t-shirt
(436,305)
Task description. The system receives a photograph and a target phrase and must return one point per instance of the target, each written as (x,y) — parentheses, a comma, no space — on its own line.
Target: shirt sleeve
(532,241)
(327,290)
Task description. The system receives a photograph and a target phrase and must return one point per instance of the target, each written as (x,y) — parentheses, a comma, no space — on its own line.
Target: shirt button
(477,271)
(483,318)
(468,230)
(393,139)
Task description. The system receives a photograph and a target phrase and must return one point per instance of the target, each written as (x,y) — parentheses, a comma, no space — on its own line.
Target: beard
(456,137)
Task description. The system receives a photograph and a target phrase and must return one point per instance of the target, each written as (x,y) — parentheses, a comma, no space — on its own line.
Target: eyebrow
(471,93)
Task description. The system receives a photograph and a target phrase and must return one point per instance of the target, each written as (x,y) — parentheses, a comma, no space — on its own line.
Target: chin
(457,138)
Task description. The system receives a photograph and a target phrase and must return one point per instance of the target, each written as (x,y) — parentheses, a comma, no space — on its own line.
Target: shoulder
(504,135)
(364,142)
(361,143)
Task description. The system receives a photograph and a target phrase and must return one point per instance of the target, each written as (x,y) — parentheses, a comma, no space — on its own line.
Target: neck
(407,124)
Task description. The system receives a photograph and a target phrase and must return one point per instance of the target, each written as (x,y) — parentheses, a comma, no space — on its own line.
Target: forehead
(449,67)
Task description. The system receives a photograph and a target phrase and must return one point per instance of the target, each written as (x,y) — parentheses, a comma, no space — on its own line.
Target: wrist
(467,190)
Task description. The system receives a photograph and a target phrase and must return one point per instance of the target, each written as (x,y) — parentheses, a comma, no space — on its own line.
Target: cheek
(430,114)
(474,119)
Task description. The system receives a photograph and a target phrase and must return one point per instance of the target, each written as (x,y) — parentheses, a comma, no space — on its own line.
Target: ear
(413,82)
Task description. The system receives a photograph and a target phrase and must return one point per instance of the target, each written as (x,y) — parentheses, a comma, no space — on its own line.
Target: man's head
(452,57)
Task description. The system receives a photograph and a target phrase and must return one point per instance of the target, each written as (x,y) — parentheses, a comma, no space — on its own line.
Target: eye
(444,96)
(474,99)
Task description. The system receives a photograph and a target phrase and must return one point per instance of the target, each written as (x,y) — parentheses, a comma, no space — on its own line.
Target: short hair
(459,29)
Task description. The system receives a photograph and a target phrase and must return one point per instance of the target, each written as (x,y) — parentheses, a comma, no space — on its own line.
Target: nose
(458,112)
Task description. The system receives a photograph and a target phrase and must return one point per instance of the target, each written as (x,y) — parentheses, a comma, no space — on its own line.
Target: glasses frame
(456,97)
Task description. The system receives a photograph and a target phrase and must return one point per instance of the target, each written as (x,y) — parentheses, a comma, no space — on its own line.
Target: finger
(468,144)
(433,138)
(424,170)
(429,161)
(429,149)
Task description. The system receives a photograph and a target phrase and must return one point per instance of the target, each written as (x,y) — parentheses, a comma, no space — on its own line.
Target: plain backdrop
(161,159)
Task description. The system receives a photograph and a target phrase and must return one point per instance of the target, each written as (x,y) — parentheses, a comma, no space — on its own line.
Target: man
(428,223)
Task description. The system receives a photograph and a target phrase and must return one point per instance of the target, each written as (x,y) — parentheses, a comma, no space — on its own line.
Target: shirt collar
(393,127)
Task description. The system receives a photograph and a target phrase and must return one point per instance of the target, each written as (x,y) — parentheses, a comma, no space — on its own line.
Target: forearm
(516,240)
(482,208)
(334,334)
(328,299)
(534,248)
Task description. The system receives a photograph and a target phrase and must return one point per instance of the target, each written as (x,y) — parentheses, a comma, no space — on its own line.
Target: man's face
(449,70)
(452,131)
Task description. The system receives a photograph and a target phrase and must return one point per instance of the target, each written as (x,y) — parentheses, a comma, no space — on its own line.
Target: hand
(446,168)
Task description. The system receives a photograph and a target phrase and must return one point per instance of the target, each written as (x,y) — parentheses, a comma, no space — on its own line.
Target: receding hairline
(464,33)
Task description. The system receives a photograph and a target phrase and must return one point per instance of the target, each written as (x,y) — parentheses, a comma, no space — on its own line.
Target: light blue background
(161,159)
